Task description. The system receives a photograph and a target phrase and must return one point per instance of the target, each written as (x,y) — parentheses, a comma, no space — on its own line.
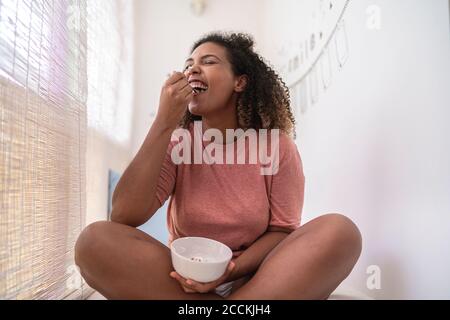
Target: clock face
(198,7)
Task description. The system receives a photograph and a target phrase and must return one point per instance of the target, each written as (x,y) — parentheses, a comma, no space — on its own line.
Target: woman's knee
(89,240)
(341,233)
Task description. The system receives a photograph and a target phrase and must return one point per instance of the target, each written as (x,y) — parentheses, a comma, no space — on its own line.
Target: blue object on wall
(113,179)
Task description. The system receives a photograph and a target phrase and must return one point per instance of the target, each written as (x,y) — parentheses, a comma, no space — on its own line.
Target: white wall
(376,146)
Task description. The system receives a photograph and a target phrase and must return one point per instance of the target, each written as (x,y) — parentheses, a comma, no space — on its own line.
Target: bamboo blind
(65,69)
(43,94)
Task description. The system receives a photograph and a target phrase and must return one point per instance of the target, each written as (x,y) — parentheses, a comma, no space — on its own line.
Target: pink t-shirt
(232,203)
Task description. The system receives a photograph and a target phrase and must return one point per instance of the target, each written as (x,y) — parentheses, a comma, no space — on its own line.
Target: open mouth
(198,87)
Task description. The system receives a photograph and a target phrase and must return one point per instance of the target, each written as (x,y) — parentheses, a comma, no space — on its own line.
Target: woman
(226,85)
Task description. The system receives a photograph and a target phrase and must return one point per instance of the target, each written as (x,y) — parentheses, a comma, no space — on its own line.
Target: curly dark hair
(265,102)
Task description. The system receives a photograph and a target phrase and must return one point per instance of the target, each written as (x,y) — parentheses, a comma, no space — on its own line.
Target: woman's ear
(241,83)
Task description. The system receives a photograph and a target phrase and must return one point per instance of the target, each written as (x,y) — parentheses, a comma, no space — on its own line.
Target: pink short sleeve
(288,185)
(167,177)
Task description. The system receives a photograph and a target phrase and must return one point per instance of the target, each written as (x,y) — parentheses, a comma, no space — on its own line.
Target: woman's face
(208,68)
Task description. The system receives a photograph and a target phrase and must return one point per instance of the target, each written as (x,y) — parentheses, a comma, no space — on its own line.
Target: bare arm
(135,194)
(249,261)
(134,199)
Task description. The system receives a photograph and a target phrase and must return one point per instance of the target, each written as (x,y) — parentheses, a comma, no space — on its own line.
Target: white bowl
(200,259)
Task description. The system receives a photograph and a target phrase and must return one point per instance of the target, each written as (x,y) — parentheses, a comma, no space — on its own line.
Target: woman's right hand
(176,94)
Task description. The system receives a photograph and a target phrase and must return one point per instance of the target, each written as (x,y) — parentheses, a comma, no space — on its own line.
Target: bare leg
(122,262)
(308,264)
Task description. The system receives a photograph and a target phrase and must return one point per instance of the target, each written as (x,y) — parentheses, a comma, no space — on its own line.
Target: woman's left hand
(191,286)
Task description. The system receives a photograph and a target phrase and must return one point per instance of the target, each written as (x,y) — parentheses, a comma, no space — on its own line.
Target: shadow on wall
(102,153)
(156,226)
